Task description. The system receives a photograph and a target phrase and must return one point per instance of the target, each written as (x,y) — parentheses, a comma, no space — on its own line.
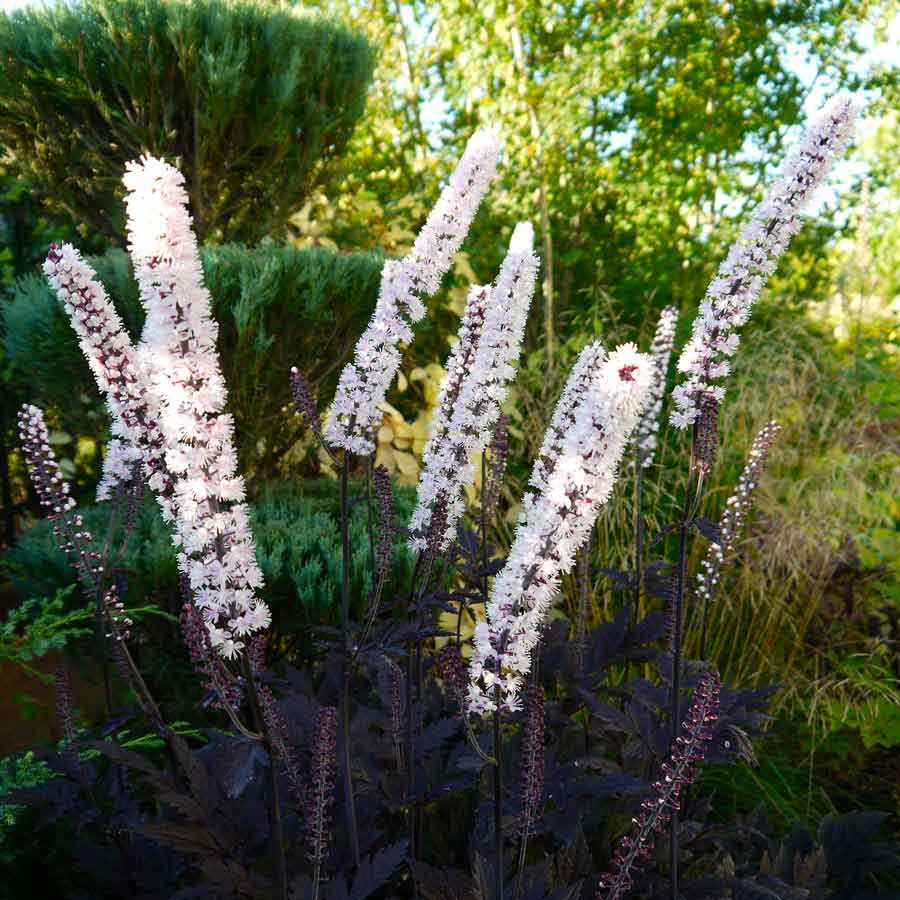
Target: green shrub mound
(276,307)
(298,543)
(248,100)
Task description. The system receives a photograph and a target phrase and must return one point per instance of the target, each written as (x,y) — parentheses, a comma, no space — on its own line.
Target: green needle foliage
(277,307)
(296,526)
(248,100)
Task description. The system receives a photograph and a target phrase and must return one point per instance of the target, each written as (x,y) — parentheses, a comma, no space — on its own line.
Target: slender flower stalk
(574,485)
(321,791)
(364,381)
(54,495)
(480,369)
(583,582)
(678,772)
(645,434)
(732,293)
(732,522)
(646,440)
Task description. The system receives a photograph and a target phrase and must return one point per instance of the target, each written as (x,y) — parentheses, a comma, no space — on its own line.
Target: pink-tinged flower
(576,475)
(132,407)
(365,379)
(645,434)
(479,371)
(678,772)
(732,293)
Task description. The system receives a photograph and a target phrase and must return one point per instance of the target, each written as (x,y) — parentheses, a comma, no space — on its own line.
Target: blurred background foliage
(638,134)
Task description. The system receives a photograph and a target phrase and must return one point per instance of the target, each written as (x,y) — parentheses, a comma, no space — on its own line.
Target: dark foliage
(192,822)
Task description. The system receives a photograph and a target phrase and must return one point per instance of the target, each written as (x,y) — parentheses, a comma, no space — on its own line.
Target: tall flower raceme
(556,523)
(365,379)
(678,772)
(645,434)
(179,359)
(480,369)
(732,293)
(735,514)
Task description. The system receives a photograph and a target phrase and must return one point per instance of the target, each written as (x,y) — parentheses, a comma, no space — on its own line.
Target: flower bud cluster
(54,496)
(387,525)
(752,259)
(63,697)
(305,403)
(499,450)
(451,670)
(119,621)
(706,439)
(678,772)
(531,786)
(574,476)
(321,787)
(364,381)
(735,514)
(397,712)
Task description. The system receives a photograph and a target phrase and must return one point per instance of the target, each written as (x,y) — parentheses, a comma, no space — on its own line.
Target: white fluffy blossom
(753,258)
(661,351)
(735,514)
(179,360)
(480,369)
(365,379)
(556,522)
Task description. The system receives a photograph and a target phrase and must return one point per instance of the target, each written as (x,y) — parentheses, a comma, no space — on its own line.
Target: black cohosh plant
(406,758)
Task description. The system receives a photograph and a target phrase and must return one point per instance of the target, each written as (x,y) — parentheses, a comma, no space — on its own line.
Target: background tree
(251,102)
